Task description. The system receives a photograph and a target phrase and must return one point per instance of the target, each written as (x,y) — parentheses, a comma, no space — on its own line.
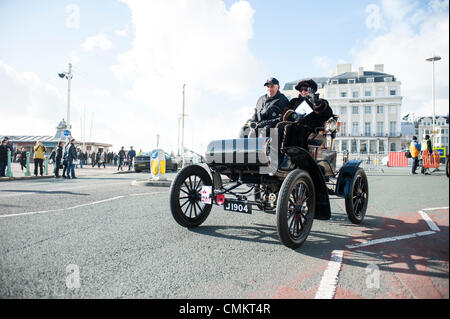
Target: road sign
(441,151)
(66,133)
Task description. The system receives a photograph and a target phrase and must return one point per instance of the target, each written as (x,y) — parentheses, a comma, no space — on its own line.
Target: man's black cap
(272,81)
(414,138)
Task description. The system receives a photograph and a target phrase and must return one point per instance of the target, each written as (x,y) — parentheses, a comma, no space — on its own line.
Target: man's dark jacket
(270,108)
(72,154)
(3,154)
(59,154)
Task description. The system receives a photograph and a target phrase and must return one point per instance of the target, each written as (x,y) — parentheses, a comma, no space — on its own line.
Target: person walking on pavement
(39,156)
(414,149)
(58,158)
(131,156)
(23,158)
(71,157)
(426,146)
(65,164)
(3,157)
(121,156)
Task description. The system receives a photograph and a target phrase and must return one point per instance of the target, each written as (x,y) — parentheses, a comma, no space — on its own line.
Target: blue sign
(66,133)
(155,154)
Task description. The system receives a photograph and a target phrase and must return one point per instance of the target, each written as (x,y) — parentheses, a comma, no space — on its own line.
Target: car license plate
(237,206)
(141,165)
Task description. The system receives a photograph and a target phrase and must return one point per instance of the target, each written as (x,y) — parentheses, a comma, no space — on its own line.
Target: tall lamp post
(68,76)
(432,59)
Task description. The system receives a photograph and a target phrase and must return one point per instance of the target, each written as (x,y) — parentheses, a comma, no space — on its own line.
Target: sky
(131,59)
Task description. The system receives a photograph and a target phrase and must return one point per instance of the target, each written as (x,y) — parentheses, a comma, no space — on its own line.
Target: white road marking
(327,287)
(77,206)
(429,221)
(435,208)
(389,239)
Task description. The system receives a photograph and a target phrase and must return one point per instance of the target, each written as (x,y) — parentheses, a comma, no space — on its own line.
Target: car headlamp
(331,125)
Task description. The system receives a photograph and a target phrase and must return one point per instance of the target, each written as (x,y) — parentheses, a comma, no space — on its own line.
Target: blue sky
(131,58)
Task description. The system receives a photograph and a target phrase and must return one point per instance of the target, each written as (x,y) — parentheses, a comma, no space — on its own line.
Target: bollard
(27,172)
(9,171)
(158,165)
(46,166)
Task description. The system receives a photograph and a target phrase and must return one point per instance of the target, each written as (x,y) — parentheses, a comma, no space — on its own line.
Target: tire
(295,214)
(187,208)
(358,198)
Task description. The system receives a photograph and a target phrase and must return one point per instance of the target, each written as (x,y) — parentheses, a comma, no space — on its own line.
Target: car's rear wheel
(185,196)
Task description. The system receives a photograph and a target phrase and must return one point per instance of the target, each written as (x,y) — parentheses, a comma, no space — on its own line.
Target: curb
(7,179)
(152,183)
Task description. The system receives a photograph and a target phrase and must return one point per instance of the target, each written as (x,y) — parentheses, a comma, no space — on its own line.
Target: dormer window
(370,80)
(334,81)
(388,79)
(351,81)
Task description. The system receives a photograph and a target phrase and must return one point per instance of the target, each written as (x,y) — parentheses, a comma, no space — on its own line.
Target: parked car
(142,163)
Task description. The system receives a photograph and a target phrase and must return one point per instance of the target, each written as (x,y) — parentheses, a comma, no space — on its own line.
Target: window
(393,147)
(368,93)
(392,128)
(370,80)
(388,79)
(344,110)
(354,146)
(392,92)
(355,110)
(351,81)
(367,109)
(344,145)
(380,128)
(334,82)
(355,94)
(381,147)
(380,91)
(343,94)
(355,131)
(379,109)
(363,147)
(367,130)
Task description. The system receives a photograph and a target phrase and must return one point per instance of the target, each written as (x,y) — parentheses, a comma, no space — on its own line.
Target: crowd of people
(65,157)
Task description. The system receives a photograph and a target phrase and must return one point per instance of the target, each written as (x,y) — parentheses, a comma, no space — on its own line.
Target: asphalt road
(102,237)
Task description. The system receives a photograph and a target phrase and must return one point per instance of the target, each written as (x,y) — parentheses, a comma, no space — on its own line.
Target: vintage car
(299,195)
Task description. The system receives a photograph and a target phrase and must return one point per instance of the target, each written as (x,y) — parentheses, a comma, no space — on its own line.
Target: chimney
(360,71)
(379,68)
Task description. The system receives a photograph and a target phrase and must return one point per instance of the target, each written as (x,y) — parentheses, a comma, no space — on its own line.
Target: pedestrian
(414,149)
(93,159)
(3,157)
(97,158)
(103,159)
(80,158)
(71,157)
(58,158)
(115,159)
(121,157)
(52,158)
(23,158)
(65,172)
(39,156)
(131,156)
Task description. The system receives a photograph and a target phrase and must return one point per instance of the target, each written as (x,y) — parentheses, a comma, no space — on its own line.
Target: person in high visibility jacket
(414,149)
(427,146)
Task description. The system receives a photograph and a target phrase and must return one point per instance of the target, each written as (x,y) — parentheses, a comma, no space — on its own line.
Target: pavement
(99,236)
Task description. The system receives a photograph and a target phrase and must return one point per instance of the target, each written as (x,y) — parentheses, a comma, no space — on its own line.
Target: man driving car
(269,108)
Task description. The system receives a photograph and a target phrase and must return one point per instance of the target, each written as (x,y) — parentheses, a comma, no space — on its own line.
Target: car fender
(345,178)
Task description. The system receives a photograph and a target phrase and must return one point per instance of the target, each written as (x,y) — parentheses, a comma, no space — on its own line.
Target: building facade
(368,104)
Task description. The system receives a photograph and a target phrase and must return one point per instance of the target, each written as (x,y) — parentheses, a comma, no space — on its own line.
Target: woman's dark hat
(308,83)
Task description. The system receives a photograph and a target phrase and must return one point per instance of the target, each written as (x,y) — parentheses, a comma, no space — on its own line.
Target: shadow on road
(424,256)
(43,192)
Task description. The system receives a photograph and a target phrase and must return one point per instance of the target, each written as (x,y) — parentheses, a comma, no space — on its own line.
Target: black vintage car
(299,196)
(142,163)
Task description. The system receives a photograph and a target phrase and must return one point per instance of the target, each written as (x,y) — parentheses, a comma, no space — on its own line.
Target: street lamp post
(432,59)
(68,76)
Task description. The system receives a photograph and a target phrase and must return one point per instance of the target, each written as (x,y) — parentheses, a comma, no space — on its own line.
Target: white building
(369,107)
(440,135)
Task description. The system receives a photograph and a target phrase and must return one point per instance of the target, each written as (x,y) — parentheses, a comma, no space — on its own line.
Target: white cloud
(373,19)
(413,34)
(38,102)
(100,41)
(200,43)
(123,32)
